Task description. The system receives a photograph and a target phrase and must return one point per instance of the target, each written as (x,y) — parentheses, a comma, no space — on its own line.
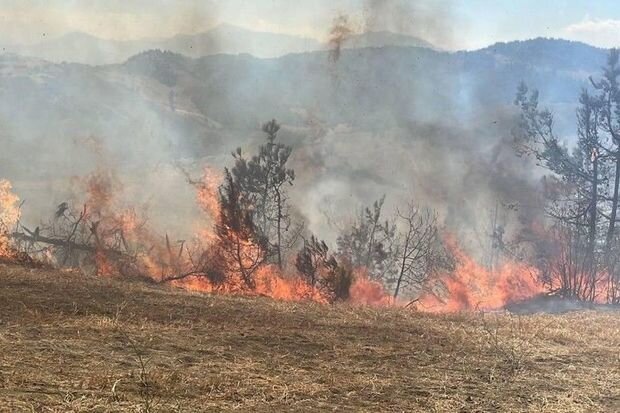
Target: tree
(421,252)
(577,186)
(313,259)
(242,247)
(263,178)
(608,121)
(370,241)
(322,271)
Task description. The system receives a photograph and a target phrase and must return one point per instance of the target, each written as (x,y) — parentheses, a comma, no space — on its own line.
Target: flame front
(472,286)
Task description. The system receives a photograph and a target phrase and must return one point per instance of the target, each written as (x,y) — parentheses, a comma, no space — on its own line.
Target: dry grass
(70,343)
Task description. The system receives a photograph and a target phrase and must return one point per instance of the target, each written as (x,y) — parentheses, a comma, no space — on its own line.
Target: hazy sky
(452,24)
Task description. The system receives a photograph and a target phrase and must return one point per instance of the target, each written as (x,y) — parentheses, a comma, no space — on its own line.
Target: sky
(450,24)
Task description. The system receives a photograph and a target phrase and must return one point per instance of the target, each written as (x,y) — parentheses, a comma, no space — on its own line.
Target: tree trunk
(59,242)
(403,264)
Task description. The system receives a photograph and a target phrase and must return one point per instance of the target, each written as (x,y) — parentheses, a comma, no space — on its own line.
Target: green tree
(575,187)
(263,179)
(242,247)
(370,241)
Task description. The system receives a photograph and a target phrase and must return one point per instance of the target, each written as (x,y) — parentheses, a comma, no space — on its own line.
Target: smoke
(428,20)
(338,34)
(465,173)
(455,156)
(410,124)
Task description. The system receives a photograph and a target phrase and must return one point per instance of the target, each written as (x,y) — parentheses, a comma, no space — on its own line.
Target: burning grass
(75,343)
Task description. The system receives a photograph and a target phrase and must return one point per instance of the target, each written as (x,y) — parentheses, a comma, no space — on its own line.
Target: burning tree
(323,271)
(241,245)
(401,252)
(263,179)
(100,236)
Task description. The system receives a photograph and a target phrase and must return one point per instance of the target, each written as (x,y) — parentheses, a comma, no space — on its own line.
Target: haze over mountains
(425,115)
(224,39)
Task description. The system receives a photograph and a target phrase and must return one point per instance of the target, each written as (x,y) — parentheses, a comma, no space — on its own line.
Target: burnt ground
(72,343)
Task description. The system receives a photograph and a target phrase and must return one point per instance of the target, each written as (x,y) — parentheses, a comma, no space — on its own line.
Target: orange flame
(207,192)
(104,266)
(9,215)
(270,282)
(365,291)
(472,286)
(469,286)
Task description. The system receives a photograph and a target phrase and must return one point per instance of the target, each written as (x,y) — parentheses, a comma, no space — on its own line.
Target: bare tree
(421,252)
(608,122)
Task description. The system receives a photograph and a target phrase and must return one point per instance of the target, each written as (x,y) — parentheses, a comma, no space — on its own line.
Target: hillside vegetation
(72,343)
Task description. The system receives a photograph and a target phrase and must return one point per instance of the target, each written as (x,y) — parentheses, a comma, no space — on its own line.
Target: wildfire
(206,192)
(9,215)
(270,282)
(122,243)
(104,266)
(100,190)
(365,291)
(473,286)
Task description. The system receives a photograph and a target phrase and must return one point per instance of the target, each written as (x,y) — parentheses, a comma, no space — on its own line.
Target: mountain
(366,87)
(229,39)
(390,83)
(552,54)
(383,39)
(224,39)
(80,47)
(87,49)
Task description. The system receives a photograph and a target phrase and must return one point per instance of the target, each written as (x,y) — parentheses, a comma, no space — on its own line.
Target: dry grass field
(70,343)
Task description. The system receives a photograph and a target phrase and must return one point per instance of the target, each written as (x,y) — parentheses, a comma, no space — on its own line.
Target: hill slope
(73,343)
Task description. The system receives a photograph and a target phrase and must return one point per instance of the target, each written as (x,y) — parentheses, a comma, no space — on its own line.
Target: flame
(365,291)
(104,266)
(207,192)
(472,286)
(9,215)
(100,190)
(270,282)
(121,229)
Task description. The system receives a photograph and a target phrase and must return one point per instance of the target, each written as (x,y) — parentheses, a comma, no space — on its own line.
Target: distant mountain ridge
(78,47)
(384,39)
